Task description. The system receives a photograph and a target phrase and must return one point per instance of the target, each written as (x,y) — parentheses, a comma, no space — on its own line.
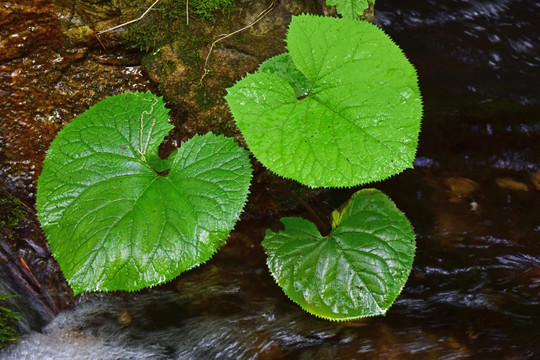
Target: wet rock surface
(471,197)
(47,77)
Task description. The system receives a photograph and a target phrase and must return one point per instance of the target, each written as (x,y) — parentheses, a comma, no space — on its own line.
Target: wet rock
(460,188)
(52,68)
(85,22)
(23,261)
(124,318)
(453,207)
(47,82)
(535,179)
(26,27)
(511,184)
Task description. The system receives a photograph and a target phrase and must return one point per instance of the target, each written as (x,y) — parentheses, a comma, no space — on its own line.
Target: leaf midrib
(113,225)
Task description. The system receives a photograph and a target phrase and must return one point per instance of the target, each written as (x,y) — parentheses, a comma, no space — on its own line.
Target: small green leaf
(342,108)
(350,9)
(113,219)
(356,271)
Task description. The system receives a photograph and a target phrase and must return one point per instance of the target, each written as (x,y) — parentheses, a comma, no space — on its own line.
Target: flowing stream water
(472,198)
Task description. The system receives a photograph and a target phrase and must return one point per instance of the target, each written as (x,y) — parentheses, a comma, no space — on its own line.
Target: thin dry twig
(187,12)
(30,275)
(98,39)
(224,36)
(131,21)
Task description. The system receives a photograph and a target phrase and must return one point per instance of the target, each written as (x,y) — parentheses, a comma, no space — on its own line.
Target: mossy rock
(11,214)
(7,321)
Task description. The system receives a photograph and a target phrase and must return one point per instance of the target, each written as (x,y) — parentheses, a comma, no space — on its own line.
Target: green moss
(170,65)
(205,9)
(168,21)
(150,35)
(171,10)
(189,51)
(240,38)
(7,320)
(11,213)
(203,98)
(142,37)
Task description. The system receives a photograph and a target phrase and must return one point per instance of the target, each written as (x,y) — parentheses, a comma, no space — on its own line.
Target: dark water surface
(472,198)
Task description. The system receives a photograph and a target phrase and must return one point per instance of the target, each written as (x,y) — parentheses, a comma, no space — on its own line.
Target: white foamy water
(155,326)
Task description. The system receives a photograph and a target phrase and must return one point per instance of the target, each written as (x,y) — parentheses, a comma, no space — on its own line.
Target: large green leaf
(350,9)
(356,271)
(115,220)
(342,108)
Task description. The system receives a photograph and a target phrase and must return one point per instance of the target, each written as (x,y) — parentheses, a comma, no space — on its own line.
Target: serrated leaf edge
(342,319)
(77,289)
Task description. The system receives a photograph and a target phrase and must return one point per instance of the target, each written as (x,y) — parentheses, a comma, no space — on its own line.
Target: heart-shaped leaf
(356,271)
(342,108)
(350,9)
(115,217)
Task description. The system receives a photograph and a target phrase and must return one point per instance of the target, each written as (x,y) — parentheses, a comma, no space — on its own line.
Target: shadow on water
(472,197)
